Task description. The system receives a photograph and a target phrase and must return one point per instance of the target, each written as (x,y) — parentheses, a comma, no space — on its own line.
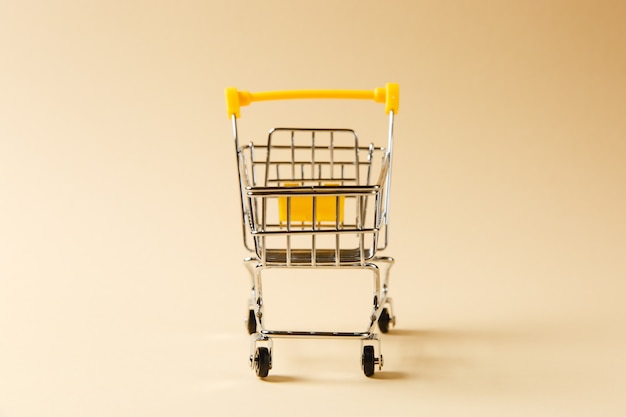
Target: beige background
(121,287)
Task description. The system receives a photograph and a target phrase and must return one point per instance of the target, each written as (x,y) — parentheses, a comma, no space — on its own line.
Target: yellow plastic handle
(390,95)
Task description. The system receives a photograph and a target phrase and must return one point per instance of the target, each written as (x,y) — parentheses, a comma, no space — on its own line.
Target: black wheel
(251,322)
(384,320)
(262,362)
(368,360)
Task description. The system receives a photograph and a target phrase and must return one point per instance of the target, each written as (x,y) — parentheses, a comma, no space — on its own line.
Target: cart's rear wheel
(368,360)
(262,362)
(251,322)
(384,320)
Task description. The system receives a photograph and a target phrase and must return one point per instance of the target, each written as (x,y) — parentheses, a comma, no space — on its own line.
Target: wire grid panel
(314,197)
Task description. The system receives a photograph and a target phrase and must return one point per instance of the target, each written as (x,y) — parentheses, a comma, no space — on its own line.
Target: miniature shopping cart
(316,198)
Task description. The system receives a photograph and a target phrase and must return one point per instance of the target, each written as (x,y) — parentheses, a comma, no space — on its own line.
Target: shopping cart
(316,198)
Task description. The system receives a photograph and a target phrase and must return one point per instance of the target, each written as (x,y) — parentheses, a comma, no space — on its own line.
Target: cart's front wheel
(262,362)
(368,360)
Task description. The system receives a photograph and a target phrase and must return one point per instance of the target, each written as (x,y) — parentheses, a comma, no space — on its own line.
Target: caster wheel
(262,362)
(368,360)
(384,320)
(251,322)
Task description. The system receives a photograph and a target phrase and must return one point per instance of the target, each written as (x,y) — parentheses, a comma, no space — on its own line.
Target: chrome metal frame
(276,170)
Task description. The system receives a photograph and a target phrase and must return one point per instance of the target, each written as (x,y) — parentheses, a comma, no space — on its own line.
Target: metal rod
(293,156)
(288,254)
(332,154)
(313,236)
(313,155)
(242,198)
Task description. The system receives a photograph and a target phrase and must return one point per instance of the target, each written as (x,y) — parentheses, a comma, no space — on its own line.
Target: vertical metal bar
(370,158)
(390,156)
(312,155)
(252,163)
(370,154)
(332,155)
(264,213)
(288,254)
(240,163)
(337,236)
(388,182)
(267,157)
(263,250)
(263,226)
(356,159)
(293,156)
(360,227)
(378,222)
(313,236)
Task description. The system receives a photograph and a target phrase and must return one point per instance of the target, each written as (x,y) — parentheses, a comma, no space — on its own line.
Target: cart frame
(293,212)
